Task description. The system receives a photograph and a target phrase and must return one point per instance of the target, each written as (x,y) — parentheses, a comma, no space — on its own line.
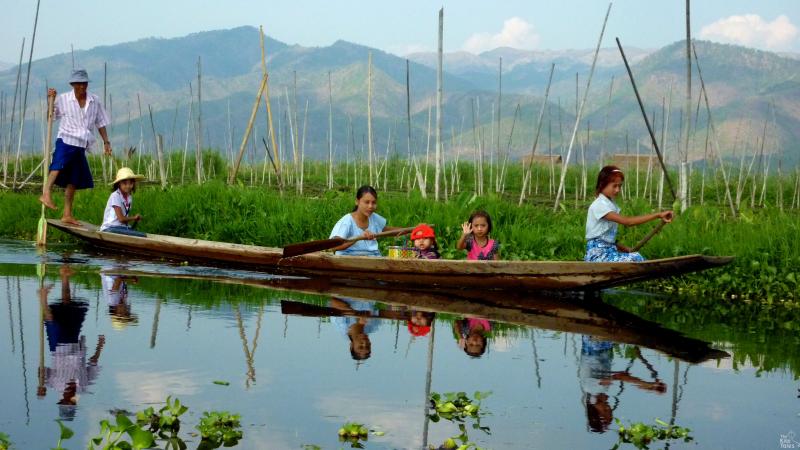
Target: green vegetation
(642,435)
(764,336)
(217,429)
(766,269)
(354,433)
(458,408)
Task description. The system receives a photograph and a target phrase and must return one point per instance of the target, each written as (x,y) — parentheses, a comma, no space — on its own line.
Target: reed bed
(767,268)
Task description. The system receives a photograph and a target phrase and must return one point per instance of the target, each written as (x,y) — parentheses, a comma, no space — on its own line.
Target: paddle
(325,244)
(41,230)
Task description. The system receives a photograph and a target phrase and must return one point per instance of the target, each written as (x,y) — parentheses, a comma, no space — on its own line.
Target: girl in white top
(362,221)
(116,217)
(604,216)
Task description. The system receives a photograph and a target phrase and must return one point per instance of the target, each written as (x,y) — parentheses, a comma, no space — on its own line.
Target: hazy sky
(401,27)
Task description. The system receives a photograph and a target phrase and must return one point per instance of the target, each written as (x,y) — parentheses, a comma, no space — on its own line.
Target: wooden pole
(330,132)
(25,95)
(440,54)
(565,163)
(408,123)
(41,236)
(13,111)
(647,122)
(369,122)
(684,176)
(276,149)
(713,131)
(243,146)
(198,162)
(162,170)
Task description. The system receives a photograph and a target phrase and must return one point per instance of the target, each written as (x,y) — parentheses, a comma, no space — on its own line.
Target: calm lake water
(121,334)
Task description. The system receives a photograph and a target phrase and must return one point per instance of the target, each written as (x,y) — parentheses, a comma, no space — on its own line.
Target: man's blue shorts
(72,165)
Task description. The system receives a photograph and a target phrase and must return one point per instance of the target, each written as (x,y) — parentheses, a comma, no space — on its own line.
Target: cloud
(516,33)
(753,31)
(408,49)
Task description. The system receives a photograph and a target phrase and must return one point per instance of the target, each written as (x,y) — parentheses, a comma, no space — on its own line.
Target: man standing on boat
(78,113)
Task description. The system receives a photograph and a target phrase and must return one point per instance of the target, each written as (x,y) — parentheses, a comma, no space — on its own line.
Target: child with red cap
(424,242)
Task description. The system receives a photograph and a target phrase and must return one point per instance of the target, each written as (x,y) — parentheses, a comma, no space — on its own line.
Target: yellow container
(397,252)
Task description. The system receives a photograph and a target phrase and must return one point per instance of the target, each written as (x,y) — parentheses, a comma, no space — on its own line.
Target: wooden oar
(324,244)
(649,236)
(41,230)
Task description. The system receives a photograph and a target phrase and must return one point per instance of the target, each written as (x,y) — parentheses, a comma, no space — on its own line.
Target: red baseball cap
(422,231)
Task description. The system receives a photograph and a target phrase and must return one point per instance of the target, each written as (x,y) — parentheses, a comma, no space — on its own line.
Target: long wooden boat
(595,318)
(507,275)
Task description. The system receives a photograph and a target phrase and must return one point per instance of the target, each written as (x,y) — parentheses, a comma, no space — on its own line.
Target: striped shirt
(76,123)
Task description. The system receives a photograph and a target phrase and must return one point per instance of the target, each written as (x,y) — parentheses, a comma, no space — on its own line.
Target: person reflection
(597,378)
(419,322)
(70,373)
(115,290)
(472,335)
(356,327)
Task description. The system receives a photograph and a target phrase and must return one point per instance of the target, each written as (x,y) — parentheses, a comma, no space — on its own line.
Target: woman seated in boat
(604,216)
(362,221)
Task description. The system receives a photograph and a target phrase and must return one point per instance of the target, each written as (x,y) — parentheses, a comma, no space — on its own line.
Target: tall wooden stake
(565,163)
(437,173)
(25,95)
(369,122)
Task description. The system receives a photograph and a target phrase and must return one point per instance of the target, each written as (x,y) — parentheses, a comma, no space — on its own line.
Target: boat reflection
(577,314)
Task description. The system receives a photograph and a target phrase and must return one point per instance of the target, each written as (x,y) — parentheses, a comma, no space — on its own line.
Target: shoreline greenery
(763,236)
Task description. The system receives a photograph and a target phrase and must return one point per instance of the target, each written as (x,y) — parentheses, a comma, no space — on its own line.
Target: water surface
(116,334)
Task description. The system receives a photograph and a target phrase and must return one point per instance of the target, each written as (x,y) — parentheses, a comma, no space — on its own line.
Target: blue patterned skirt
(598,250)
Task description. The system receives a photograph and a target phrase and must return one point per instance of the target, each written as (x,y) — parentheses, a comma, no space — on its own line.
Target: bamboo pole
(278,173)
(232,177)
(330,131)
(303,150)
(408,109)
(565,163)
(440,54)
(13,111)
(188,123)
(25,95)
(713,131)
(162,170)
(369,121)
(199,138)
(605,126)
(647,122)
(684,176)
(497,121)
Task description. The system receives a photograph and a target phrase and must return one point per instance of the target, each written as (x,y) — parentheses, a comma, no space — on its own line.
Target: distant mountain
(156,73)
(5,65)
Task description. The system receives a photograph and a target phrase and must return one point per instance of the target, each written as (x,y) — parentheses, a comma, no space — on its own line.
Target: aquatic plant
(458,408)
(354,433)
(218,429)
(641,435)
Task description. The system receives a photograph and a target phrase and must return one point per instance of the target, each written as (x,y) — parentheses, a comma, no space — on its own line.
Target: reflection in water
(356,327)
(115,290)
(70,372)
(204,324)
(597,380)
(472,334)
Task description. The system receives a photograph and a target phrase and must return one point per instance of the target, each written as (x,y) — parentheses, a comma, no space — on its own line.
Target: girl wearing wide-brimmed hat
(117,218)
(79,112)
